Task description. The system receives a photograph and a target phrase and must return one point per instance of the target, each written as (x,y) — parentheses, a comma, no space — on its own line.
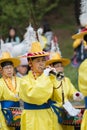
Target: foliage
(19,13)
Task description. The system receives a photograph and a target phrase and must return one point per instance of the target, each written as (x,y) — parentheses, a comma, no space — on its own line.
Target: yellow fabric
(36,47)
(37,91)
(82,78)
(66,127)
(32,90)
(56,57)
(36,50)
(82,81)
(84,121)
(79,35)
(9,83)
(77,42)
(7,57)
(69,90)
(6,94)
(44,41)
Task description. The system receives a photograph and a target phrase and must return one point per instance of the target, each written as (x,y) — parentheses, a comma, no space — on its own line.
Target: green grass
(72,73)
(65,26)
(66,48)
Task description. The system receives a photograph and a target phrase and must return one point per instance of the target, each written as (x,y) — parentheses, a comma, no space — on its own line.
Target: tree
(18,13)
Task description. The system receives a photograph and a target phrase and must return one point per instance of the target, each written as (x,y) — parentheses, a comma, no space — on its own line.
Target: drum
(74,121)
(12,116)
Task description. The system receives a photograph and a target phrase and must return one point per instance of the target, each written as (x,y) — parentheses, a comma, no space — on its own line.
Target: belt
(49,104)
(5,105)
(8,103)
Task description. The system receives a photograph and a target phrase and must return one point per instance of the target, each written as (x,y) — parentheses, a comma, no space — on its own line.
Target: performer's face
(58,67)
(8,71)
(38,64)
(22,69)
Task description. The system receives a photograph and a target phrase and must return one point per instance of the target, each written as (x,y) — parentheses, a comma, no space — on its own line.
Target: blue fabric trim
(57,110)
(7,112)
(85,102)
(7,104)
(50,104)
(34,106)
(8,115)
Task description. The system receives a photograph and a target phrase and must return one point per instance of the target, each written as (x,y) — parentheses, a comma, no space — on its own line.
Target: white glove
(70,109)
(78,96)
(48,70)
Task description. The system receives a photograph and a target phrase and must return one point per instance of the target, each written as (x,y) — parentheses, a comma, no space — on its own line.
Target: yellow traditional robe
(6,94)
(68,90)
(38,92)
(82,81)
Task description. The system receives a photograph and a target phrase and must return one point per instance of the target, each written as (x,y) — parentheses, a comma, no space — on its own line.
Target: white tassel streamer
(83,16)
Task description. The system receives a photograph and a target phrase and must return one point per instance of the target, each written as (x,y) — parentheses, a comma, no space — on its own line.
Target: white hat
(23,60)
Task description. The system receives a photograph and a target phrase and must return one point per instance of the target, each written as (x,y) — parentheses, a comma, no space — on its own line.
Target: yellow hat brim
(79,35)
(62,60)
(15,61)
(76,43)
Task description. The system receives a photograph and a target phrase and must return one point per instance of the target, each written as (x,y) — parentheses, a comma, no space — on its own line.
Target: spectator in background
(55,45)
(48,34)
(22,69)
(12,37)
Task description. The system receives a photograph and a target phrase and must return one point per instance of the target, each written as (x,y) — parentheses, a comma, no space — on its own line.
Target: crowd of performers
(35,94)
(42,95)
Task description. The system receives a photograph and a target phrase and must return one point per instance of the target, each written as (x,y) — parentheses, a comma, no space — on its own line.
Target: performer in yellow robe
(65,88)
(82,81)
(9,87)
(36,91)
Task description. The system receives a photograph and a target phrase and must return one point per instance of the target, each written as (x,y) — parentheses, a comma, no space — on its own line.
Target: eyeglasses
(8,67)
